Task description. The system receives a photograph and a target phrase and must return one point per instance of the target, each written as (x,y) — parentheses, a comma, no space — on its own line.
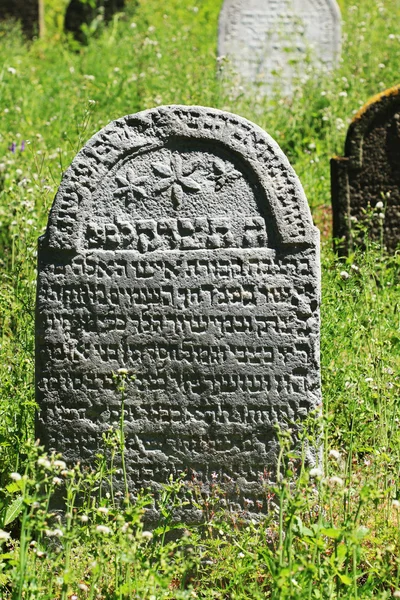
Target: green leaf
(345,579)
(331,532)
(13,510)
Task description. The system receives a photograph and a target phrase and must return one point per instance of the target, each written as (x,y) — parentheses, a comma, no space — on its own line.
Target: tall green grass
(334,535)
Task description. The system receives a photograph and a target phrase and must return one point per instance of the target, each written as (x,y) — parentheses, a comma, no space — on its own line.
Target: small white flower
(133,25)
(381,66)
(103,509)
(391,36)
(15,476)
(334,454)
(344,275)
(381,216)
(336,481)
(54,533)
(355,268)
(43,461)
(147,535)
(4,535)
(396,504)
(315,472)
(92,102)
(57,481)
(84,518)
(343,94)
(103,529)
(368,380)
(379,205)
(240,555)
(396,594)
(83,587)
(122,371)
(12,70)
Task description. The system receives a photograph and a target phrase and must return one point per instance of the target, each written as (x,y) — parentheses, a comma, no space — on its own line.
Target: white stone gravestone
(180,247)
(269,42)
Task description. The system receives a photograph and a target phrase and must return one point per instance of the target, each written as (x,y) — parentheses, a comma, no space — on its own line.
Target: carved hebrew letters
(179,247)
(270,41)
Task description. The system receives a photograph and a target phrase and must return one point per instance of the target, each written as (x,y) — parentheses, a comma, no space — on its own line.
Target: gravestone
(369,174)
(25,11)
(180,247)
(81,13)
(269,42)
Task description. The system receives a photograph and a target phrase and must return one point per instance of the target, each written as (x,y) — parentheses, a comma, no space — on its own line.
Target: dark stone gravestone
(270,42)
(366,181)
(81,13)
(180,247)
(25,11)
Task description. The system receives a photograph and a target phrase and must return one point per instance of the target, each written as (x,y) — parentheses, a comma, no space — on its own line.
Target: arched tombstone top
(365,182)
(176,162)
(382,105)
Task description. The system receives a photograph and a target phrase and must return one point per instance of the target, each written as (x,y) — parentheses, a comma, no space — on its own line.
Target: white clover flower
(336,481)
(240,555)
(147,535)
(54,533)
(4,535)
(89,77)
(103,510)
(334,454)
(103,529)
(315,472)
(381,66)
(344,275)
(343,94)
(12,70)
(15,476)
(60,464)
(391,36)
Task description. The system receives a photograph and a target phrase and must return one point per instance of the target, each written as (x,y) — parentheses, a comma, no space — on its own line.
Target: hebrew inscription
(269,42)
(180,247)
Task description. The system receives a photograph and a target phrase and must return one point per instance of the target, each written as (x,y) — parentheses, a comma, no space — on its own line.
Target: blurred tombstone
(179,248)
(25,11)
(270,42)
(365,182)
(83,12)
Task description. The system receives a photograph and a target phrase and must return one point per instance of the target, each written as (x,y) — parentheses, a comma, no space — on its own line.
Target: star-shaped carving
(223,174)
(130,187)
(176,179)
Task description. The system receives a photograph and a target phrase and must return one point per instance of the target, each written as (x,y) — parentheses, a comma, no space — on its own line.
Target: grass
(334,535)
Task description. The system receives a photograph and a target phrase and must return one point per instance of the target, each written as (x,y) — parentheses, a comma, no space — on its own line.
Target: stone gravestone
(369,173)
(269,42)
(180,247)
(80,13)
(25,11)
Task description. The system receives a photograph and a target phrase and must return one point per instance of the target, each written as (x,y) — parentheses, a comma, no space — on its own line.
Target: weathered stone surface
(26,11)
(79,14)
(369,173)
(180,246)
(269,41)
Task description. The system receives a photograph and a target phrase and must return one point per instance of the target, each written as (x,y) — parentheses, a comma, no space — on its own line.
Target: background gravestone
(179,246)
(369,173)
(81,13)
(26,11)
(269,41)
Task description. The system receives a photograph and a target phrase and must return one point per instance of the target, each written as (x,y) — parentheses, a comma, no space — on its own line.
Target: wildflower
(84,518)
(15,476)
(13,147)
(336,481)
(355,268)
(368,380)
(103,510)
(103,529)
(92,102)
(43,461)
(60,464)
(334,454)
(396,594)
(57,481)
(391,36)
(240,555)
(381,66)
(89,77)
(343,94)
(315,472)
(12,70)
(396,504)
(54,533)
(344,275)
(147,535)
(381,216)
(83,587)
(133,25)
(4,535)
(122,371)
(23,145)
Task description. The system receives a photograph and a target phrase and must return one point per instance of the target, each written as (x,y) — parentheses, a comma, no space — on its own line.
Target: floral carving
(175,179)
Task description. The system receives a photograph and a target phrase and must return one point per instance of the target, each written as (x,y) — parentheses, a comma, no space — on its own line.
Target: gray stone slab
(269,42)
(365,182)
(180,246)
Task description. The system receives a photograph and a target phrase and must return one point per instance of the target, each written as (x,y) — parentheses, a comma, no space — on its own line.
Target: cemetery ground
(332,532)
